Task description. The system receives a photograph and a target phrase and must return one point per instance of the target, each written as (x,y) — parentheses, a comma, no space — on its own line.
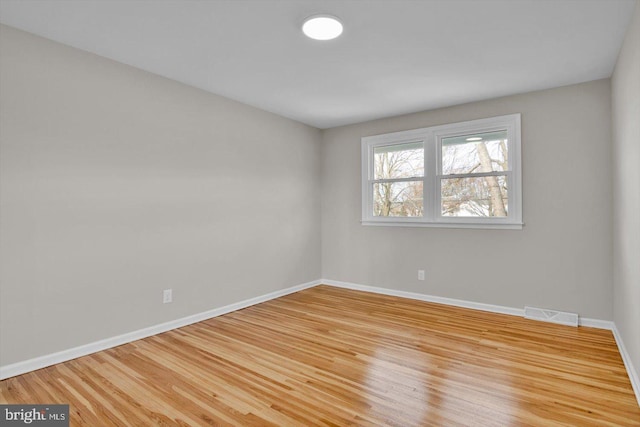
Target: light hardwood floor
(329,356)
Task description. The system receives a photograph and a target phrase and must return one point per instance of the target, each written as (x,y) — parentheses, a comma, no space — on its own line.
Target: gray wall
(562,257)
(626,190)
(116,184)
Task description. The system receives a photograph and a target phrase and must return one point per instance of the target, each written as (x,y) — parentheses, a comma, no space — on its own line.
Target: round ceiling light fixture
(322,27)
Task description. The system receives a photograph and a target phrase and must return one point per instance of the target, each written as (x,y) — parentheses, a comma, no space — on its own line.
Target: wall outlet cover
(167,296)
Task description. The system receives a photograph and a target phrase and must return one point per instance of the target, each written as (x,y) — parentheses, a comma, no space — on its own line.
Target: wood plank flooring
(335,357)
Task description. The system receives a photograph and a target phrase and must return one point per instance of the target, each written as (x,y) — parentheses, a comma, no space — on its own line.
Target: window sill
(483,225)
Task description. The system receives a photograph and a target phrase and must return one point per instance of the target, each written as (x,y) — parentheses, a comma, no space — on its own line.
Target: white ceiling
(394,57)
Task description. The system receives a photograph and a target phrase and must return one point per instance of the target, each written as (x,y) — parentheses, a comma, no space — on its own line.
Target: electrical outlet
(167,296)
(420,274)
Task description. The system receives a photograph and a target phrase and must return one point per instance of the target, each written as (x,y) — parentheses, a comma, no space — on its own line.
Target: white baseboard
(583,321)
(596,323)
(428,298)
(18,368)
(626,358)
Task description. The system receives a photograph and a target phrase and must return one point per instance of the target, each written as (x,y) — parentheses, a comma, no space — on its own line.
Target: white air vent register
(553,316)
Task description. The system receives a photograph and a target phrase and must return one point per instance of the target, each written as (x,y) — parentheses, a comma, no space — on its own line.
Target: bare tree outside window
(465,193)
(395,192)
(457,175)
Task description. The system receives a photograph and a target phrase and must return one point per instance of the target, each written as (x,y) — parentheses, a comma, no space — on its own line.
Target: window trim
(431,137)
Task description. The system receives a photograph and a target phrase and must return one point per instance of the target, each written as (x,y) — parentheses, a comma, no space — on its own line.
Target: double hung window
(456,175)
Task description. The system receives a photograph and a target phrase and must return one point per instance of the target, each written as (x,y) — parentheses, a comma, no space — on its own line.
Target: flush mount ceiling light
(322,27)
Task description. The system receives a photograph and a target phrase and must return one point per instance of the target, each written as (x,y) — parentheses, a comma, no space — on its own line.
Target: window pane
(399,161)
(474,197)
(397,199)
(480,152)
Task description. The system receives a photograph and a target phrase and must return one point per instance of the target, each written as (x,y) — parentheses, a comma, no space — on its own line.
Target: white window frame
(432,140)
